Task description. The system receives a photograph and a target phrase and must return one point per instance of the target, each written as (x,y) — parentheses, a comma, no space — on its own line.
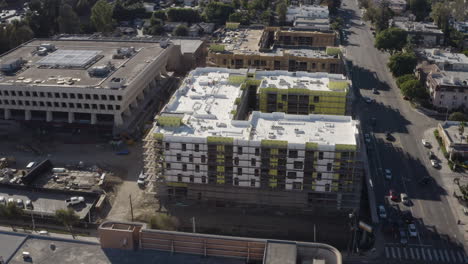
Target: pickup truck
(74,200)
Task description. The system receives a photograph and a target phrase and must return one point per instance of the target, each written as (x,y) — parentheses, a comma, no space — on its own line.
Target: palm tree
(68,217)
(10,212)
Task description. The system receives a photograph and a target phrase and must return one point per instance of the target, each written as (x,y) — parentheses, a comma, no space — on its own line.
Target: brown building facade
(284,60)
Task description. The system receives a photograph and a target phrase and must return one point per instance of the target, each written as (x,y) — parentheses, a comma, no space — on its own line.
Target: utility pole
(193,225)
(33,224)
(131,206)
(315,234)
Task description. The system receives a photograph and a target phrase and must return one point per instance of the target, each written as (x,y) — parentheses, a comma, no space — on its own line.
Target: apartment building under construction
(276,49)
(202,150)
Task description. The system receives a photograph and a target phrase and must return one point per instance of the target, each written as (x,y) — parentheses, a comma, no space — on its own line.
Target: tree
(236,4)
(379,16)
(161,14)
(402,63)
(217,12)
(155,30)
(266,17)
(101,16)
(188,15)
(163,222)
(68,218)
(240,16)
(3,4)
(337,24)
(181,30)
(419,8)
(68,20)
(440,14)
(404,78)
(465,52)
(458,116)
(281,10)
(258,5)
(10,212)
(82,7)
(413,89)
(19,33)
(391,39)
(245,4)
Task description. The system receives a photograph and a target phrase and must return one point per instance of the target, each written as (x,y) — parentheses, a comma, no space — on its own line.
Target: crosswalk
(426,254)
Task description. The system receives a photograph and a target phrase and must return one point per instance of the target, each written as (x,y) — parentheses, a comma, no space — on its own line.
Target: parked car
(382,212)
(388,174)
(141,179)
(74,200)
(431,155)
(19,203)
(403,237)
(11,200)
(29,204)
(407,217)
(413,232)
(393,195)
(435,163)
(404,198)
(2,200)
(388,136)
(426,143)
(375,91)
(367,138)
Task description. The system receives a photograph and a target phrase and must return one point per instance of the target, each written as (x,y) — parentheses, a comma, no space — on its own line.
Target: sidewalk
(447,177)
(20,230)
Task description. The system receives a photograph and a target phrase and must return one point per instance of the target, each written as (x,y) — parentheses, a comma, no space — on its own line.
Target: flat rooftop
(314,81)
(310,11)
(451,128)
(68,251)
(413,26)
(453,78)
(46,202)
(9,243)
(206,99)
(68,64)
(441,56)
(246,41)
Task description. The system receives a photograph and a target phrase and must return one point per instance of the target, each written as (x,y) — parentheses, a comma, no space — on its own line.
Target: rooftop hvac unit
(99,71)
(11,65)
(116,83)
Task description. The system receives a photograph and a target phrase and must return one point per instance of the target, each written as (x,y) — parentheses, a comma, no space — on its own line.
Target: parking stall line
(405,253)
(393,252)
(387,254)
(436,256)
(453,256)
(441,254)
(417,253)
(398,252)
(411,251)
(429,254)
(422,254)
(460,256)
(447,255)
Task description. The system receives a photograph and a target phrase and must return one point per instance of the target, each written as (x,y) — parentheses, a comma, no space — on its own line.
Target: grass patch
(441,144)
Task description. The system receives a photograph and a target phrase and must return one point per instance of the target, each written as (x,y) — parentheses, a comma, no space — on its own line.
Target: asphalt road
(439,239)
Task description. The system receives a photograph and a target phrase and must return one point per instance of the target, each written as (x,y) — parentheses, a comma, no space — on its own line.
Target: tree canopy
(413,89)
(402,63)
(419,8)
(181,30)
(240,16)
(67,217)
(391,39)
(14,34)
(68,20)
(101,16)
(440,14)
(217,12)
(458,116)
(379,16)
(281,9)
(404,78)
(188,15)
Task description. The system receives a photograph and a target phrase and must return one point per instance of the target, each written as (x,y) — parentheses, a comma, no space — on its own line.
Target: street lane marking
(417,253)
(429,254)
(460,256)
(398,251)
(405,253)
(387,254)
(411,251)
(393,252)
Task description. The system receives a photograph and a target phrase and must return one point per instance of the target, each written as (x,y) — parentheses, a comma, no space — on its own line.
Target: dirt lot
(27,145)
